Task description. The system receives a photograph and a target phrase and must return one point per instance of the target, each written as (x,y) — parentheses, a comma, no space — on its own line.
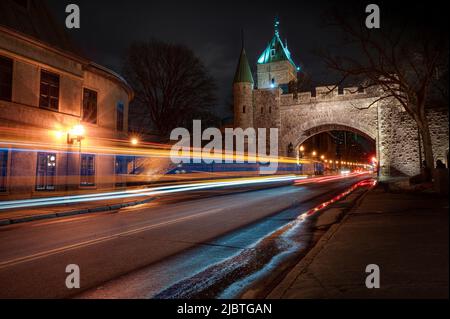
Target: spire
(276,50)
(243,71)
(277,27)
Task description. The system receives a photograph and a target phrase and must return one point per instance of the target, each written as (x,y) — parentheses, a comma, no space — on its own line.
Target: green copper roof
(243,72)
(276,50)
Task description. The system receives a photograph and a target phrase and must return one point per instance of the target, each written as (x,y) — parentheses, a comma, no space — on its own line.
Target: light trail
(162,151)
(324,179)
(37,202)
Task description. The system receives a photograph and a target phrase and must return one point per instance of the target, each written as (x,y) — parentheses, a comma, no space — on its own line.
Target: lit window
(121,165)
(87,170)
(3,169)
(89,106)
(49,91)
(45,171)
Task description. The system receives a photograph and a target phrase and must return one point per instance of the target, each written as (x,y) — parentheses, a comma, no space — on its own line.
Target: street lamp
(134,141)
(75,134)
(322,157)
(314,153)
(301,149)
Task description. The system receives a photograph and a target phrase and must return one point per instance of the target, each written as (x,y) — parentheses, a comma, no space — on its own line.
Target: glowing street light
(134,141)
(314,153)
(322,157)
(76,134)
(302,150)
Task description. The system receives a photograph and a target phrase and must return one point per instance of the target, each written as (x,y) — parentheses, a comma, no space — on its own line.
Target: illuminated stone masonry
(301,116)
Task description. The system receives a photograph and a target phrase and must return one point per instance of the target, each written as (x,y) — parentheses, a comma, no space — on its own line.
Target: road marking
(87,243)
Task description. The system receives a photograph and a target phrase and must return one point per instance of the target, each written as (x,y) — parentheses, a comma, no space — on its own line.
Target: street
(34,256)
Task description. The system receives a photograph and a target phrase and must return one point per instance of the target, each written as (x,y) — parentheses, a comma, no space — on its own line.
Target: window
(3,169)
(243,109)
(87,170)
(262,110)
(45,171)
(90,106)
(122,164)
(49,95)
(6,72)
(119,120)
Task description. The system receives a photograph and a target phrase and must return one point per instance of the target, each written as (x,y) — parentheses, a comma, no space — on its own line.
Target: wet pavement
(227,266)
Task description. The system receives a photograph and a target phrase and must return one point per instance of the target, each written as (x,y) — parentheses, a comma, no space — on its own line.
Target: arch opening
(337,146)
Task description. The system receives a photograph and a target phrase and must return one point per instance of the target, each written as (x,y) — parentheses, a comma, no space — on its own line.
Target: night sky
(211,28)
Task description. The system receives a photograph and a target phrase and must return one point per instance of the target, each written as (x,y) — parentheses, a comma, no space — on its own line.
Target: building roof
(276,50)
(33,18)
(243,71)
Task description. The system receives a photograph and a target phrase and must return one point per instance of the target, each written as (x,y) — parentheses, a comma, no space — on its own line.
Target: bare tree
(171,84)
(408,62)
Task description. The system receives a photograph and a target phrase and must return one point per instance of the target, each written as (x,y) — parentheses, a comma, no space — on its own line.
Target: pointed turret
(243,92)
(243,72)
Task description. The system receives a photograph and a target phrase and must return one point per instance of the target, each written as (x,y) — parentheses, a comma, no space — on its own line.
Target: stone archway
(305,135)
(300,116)
(311,116)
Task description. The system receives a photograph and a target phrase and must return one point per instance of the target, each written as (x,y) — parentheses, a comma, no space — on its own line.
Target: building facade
(60,113)
(268,104)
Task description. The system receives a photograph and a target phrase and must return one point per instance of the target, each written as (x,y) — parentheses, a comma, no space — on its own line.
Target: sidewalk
(406,235)
(16,216)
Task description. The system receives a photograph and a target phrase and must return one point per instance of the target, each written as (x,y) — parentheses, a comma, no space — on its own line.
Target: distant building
(58,109)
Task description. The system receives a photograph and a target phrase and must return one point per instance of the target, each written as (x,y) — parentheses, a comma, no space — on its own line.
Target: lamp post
(134,141)
(76,134)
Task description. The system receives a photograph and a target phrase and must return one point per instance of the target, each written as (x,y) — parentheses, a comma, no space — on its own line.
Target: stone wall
(393,130)
(325,110)
(243,105)
(282,71)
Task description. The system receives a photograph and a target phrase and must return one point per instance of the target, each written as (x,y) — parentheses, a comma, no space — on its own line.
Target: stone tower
(275,67)
(243,93)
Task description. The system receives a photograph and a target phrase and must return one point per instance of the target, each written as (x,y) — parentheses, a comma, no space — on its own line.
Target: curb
(99,209)
(281,288)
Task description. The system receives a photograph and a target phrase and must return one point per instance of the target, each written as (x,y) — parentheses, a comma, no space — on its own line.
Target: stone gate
(303,115)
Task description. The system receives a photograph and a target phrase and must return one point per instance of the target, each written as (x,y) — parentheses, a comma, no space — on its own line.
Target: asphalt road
(34,256)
